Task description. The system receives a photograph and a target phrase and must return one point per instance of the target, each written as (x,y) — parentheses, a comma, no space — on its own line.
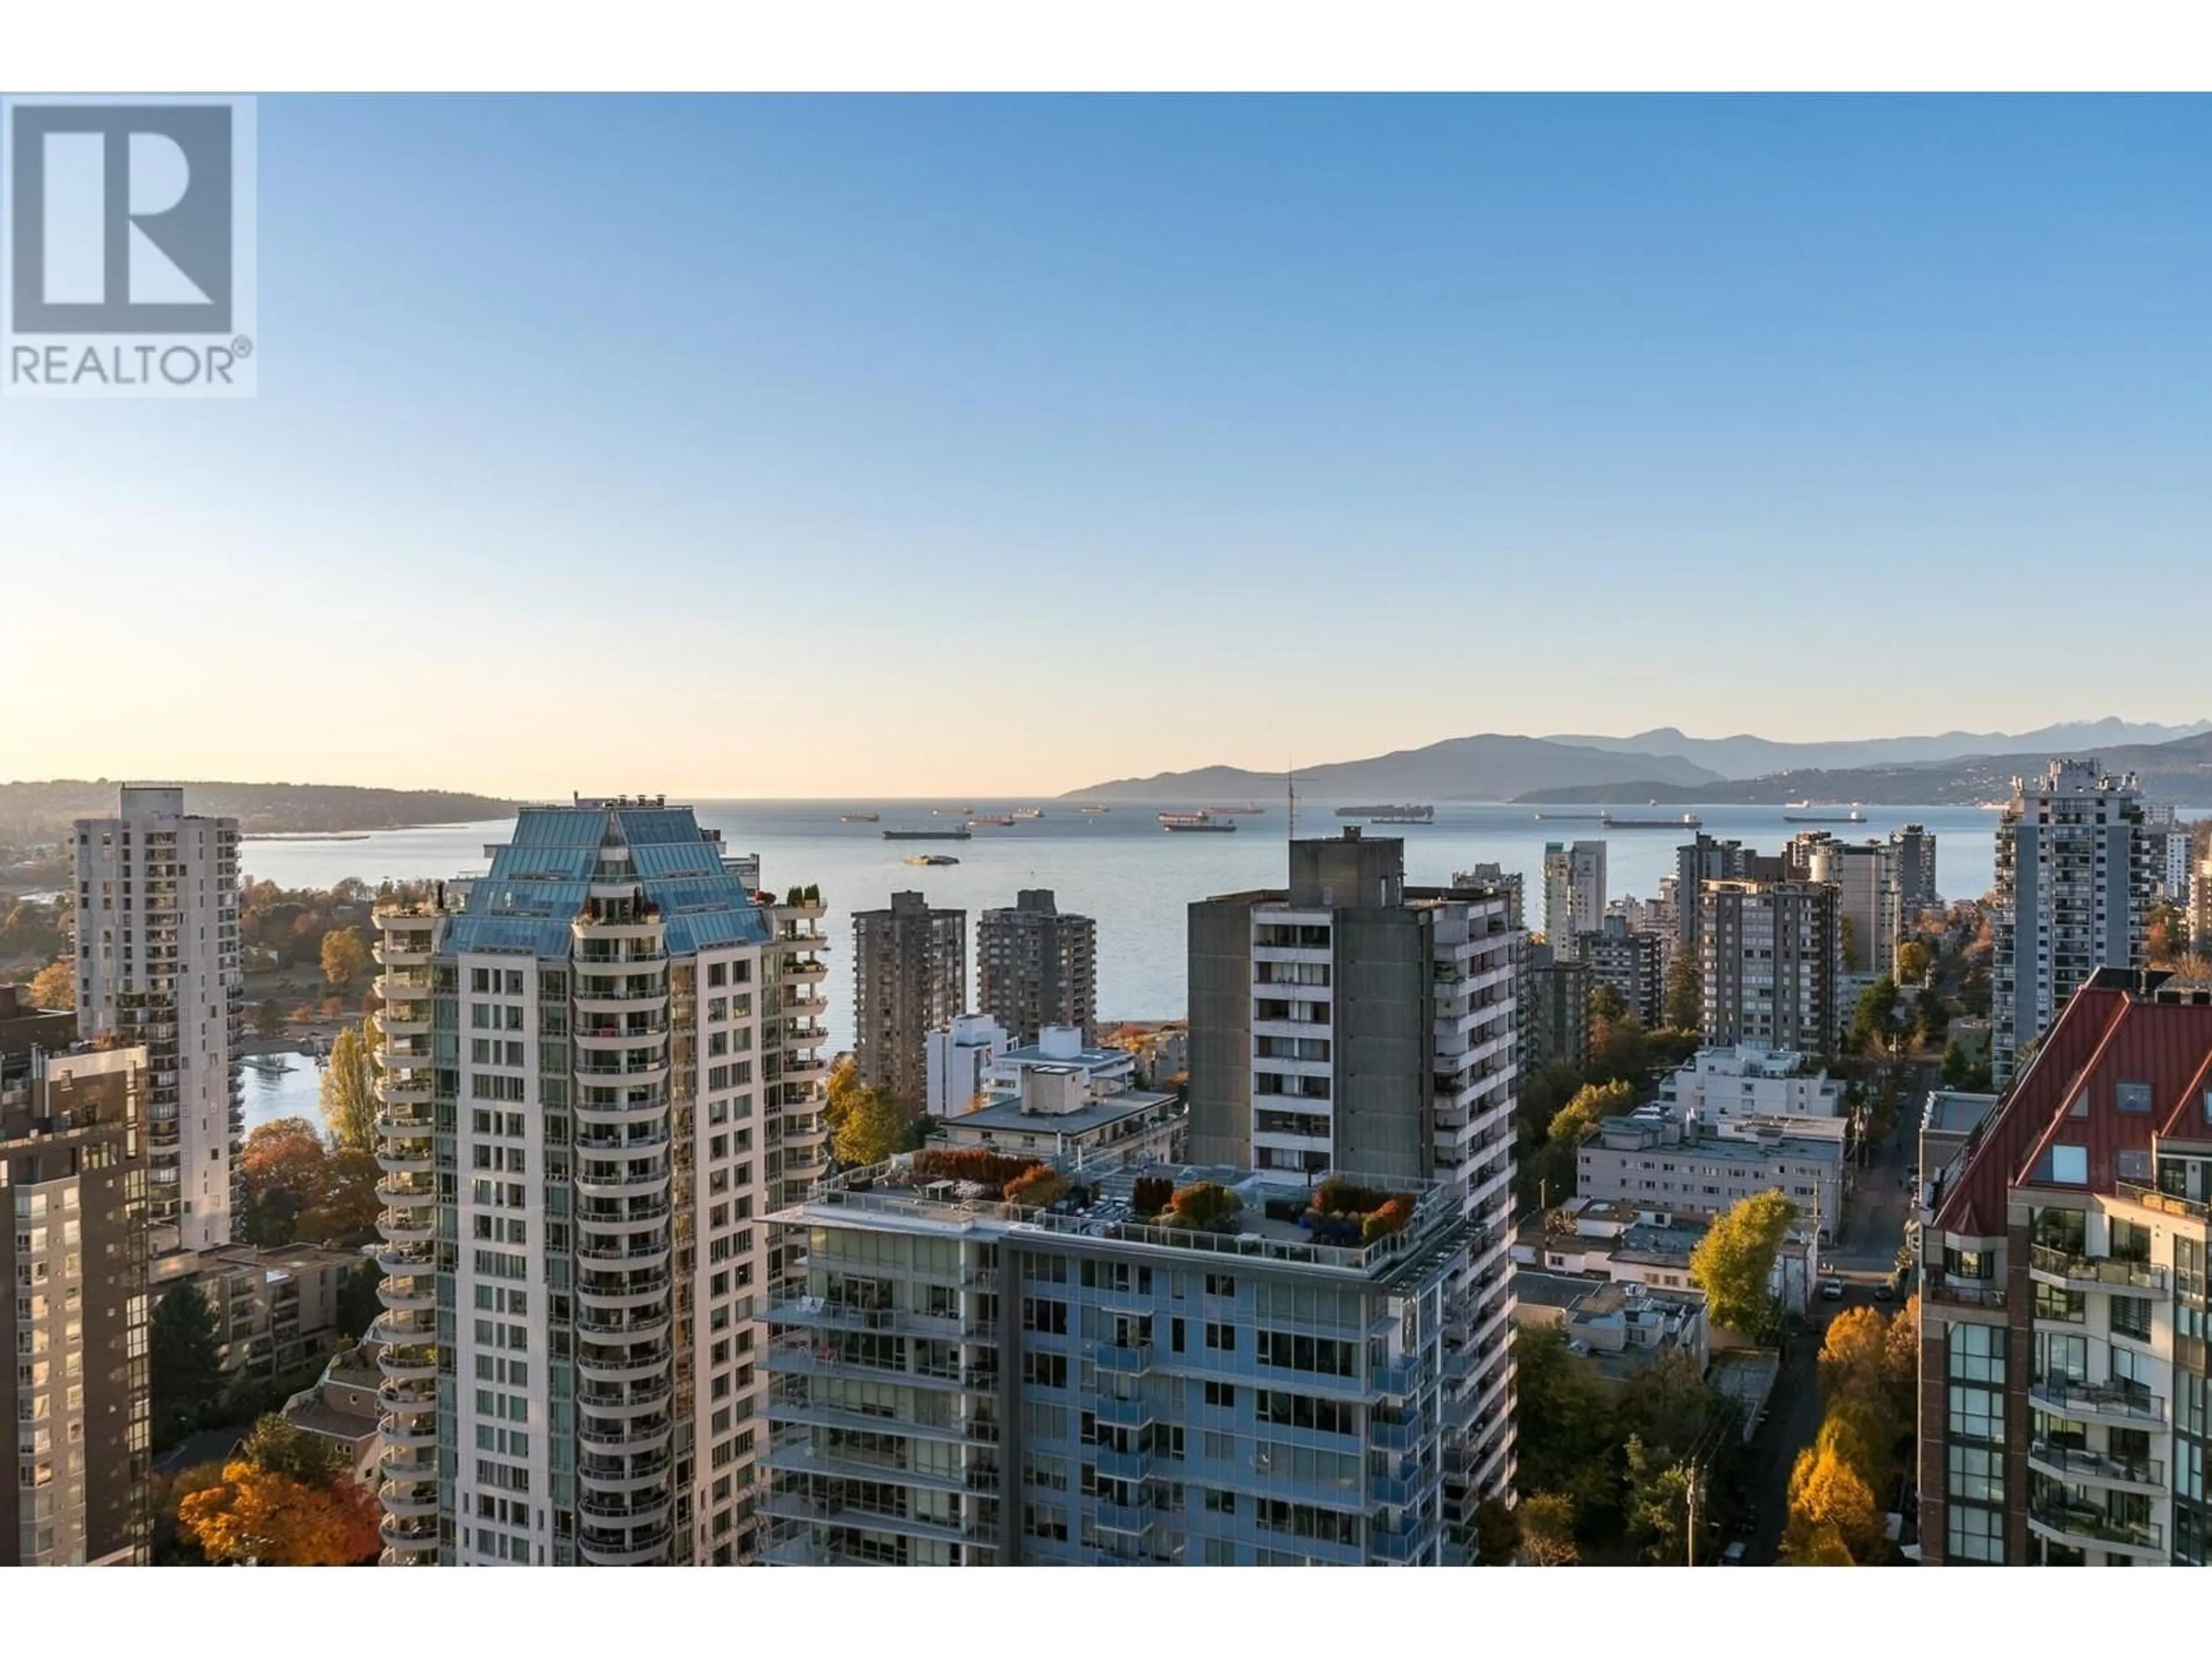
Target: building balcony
(402,951)
(409,1293)
(1124,1466)
(622,1112)
(599,1325)
(636,1434)
(1124,1518)
(633,1291)
(409,1362)
(409,1498)
(1403,1436)
(628,1509)
(1125,1361)
(634,1141)
(600,997)
(401,1088)
(1124,1413)
(408,1539)
(406,1157)
(409,1227)
(652,1069)
(408,1193)
(635,1365)
(1975,1293)
(826,1359)
(2093,1273)
(619,1474)
(618,1401)
(612,1036)
(614,1247)
(2083,1525)
(2150,1198)
(406,1259)
(2079,1465)
(410,1400)
(647,1212)
(627,1184)
(640,1549)
(1401,1546)
(409,1431)
(2098,1402)
(801,971)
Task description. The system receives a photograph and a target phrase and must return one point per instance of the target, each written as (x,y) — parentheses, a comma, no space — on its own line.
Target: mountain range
(1666,765)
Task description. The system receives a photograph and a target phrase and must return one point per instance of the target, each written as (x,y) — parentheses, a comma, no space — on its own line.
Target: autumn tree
(1547,1531)
(344,957)
(349,1090)
(1875,1029)
(1203,1207)
(258,1515)
(842,1091)
(285,1173)
(869,1131)
(1849,927)
(1734,1262)
(1592,1105)
(1912,961)
(53,986)
(1852,1357)
(1825,1491)
(1036,1188)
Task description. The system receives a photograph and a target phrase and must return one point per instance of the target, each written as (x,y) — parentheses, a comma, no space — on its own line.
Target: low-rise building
(960,1059)
(1745,1082)
(1055,1112)
(1652,1160)
(1625,1243)
(1061,1047)
(343,1408)
(275,1307)
(1617,1328)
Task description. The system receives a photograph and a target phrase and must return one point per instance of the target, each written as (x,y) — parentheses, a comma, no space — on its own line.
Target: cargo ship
(958,832)
(1824,817)
(991,820)
(1194,820)
(1029,812)
(1688,821)
(857,818)
(1393,813)
(1097,809)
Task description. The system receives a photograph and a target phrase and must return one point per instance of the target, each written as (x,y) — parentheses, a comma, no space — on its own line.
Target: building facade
(1868,896)
(1912,851)
(1633,965)
(157,965)
(969,1383)
(1037,965)
(1555,998)
(2074,889)
(960,1057)
(1351,1021)
(909,978)
(1769,954)
(1746,1083)
(1506,883)
(1574,892)
(73,1178)
(1660,1164)
(2065,1408)
(600,1072)
(273,1306)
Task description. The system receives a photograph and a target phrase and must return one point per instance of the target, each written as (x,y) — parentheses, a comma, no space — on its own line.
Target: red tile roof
(2109,1033)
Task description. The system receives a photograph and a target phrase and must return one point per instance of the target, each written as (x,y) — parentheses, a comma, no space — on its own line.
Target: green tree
(1496,1533)
(1733,1263)
(1850,931)
(1683,1006)
(183,1363)
(1554,1166)
(280,1446)
(349,1090)
(1668,1405)
(1929,1017)
(344,957)
(1656,1501)
(1606,1003)
(869,1131)
(1564,1421)
(1875,1029)
(357,1304)
(269,1018)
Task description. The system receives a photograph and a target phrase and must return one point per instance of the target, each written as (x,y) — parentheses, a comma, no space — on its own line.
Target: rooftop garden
(1344,1213)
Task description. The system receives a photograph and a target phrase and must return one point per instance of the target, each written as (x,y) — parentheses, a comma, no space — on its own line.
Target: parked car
(1832,1289)
(1885,1291)
(1733,1555)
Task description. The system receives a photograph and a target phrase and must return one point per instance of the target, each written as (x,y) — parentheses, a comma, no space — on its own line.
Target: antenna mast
(1291,789)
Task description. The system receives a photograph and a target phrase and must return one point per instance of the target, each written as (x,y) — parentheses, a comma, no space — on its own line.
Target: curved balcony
(631,1509)
(403,1328)
(408,1293)
(409,1157)
(600,1326)
(411,1401)
(604,989)
(2080,1465)
(409,1226)
(639,1549)
(409,1362)
(625,1071)
(404,1259)
(633,1142)
(795,970)
(628,1184)
(409,1499)
(635,1364)
(630,1256)
(621,1295)
(410,1430)
(622,1112)
(2118,1403)
(401,1088)
(611,1036)
(406,1192)
(410,1536)
(404,1019)
(616,1434)
(402,951)
(618,1474)
(648,1213)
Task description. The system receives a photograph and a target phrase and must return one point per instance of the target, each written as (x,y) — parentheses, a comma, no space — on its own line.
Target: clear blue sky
(915,445)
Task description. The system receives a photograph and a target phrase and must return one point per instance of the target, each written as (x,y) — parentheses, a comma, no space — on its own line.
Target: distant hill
(1490,767)
(1746,757)
(2179,771)
(33,814)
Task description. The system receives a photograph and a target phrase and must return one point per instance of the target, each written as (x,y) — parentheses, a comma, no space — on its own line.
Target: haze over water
(1118,866)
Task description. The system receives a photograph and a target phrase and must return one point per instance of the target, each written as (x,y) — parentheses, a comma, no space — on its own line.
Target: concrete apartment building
(1657,1163)
(1868,896)
(73,1178)
(601,1072)
(1574,892)
(1719,1084)
(959,1058)
(1633,965)
(968,1383)
(1064,1111)
(2200,904)
(909,978)
(1615,1329)
(2065,1409)
(1351,1021)
(2074,886)
(1506,883)
(273,1307)
(2168,847)
(1769,954)
(1912,852)
(1554,1010)
(1705,859)
(158,965)
(1036,966)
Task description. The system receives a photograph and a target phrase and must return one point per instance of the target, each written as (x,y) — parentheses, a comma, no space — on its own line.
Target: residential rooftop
(1005,1113)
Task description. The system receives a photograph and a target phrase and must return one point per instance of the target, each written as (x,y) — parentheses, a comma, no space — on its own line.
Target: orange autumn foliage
(254,1515)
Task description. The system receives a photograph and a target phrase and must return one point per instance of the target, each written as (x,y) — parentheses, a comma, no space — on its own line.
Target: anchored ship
(958,832)
(1190,821)
(1688,821)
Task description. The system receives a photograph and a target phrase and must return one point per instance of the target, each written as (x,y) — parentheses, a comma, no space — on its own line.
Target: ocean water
(282,1085)
(1118,866)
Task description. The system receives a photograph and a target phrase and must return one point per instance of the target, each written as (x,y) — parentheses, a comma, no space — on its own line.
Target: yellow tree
(843,1092)
(1733,1263)
(344,957)
(1547,1530)
(1855,1357)
(869,1130)
(350,1090)
(255,1515)
(1900,1349)
(54,986)
(1827,1492)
